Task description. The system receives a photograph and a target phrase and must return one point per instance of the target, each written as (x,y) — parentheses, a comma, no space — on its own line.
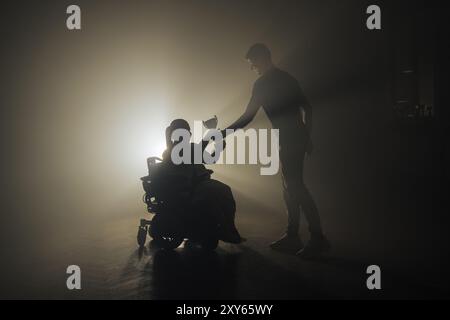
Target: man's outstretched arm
(248,115)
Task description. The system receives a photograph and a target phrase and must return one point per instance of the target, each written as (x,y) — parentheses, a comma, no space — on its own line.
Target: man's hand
(309,147)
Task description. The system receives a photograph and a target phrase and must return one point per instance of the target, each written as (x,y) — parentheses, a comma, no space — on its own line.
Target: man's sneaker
(289,244)
(314,248)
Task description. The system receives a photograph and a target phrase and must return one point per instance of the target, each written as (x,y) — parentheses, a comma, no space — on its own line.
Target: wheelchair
(168,194)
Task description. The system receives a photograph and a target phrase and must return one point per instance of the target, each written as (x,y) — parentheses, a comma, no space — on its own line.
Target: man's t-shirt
(281,98)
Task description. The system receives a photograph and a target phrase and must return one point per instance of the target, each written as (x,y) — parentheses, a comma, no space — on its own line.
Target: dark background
(81,110)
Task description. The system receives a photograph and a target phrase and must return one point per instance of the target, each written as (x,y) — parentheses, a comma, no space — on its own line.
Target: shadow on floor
(227,273)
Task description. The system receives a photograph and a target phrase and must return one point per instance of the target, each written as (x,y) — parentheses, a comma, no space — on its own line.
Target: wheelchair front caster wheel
(141,236)
(168,242)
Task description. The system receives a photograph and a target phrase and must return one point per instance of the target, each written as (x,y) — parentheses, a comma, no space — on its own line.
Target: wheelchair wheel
(168,242)
(166,232)
(210,244)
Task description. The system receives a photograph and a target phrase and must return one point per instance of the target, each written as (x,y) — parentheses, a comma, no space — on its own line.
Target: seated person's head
(177,124)
(174,125)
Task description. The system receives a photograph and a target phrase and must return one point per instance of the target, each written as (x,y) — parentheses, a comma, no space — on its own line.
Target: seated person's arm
(207,141)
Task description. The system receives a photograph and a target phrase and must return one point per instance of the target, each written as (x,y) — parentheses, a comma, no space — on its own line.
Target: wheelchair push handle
(152,161)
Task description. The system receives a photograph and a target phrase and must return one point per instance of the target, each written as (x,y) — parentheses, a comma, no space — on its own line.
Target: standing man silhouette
(281,97)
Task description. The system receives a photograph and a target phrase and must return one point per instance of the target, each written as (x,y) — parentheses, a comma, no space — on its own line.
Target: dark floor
(114,268)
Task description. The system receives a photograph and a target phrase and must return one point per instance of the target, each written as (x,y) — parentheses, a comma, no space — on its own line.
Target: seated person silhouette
(209,196)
